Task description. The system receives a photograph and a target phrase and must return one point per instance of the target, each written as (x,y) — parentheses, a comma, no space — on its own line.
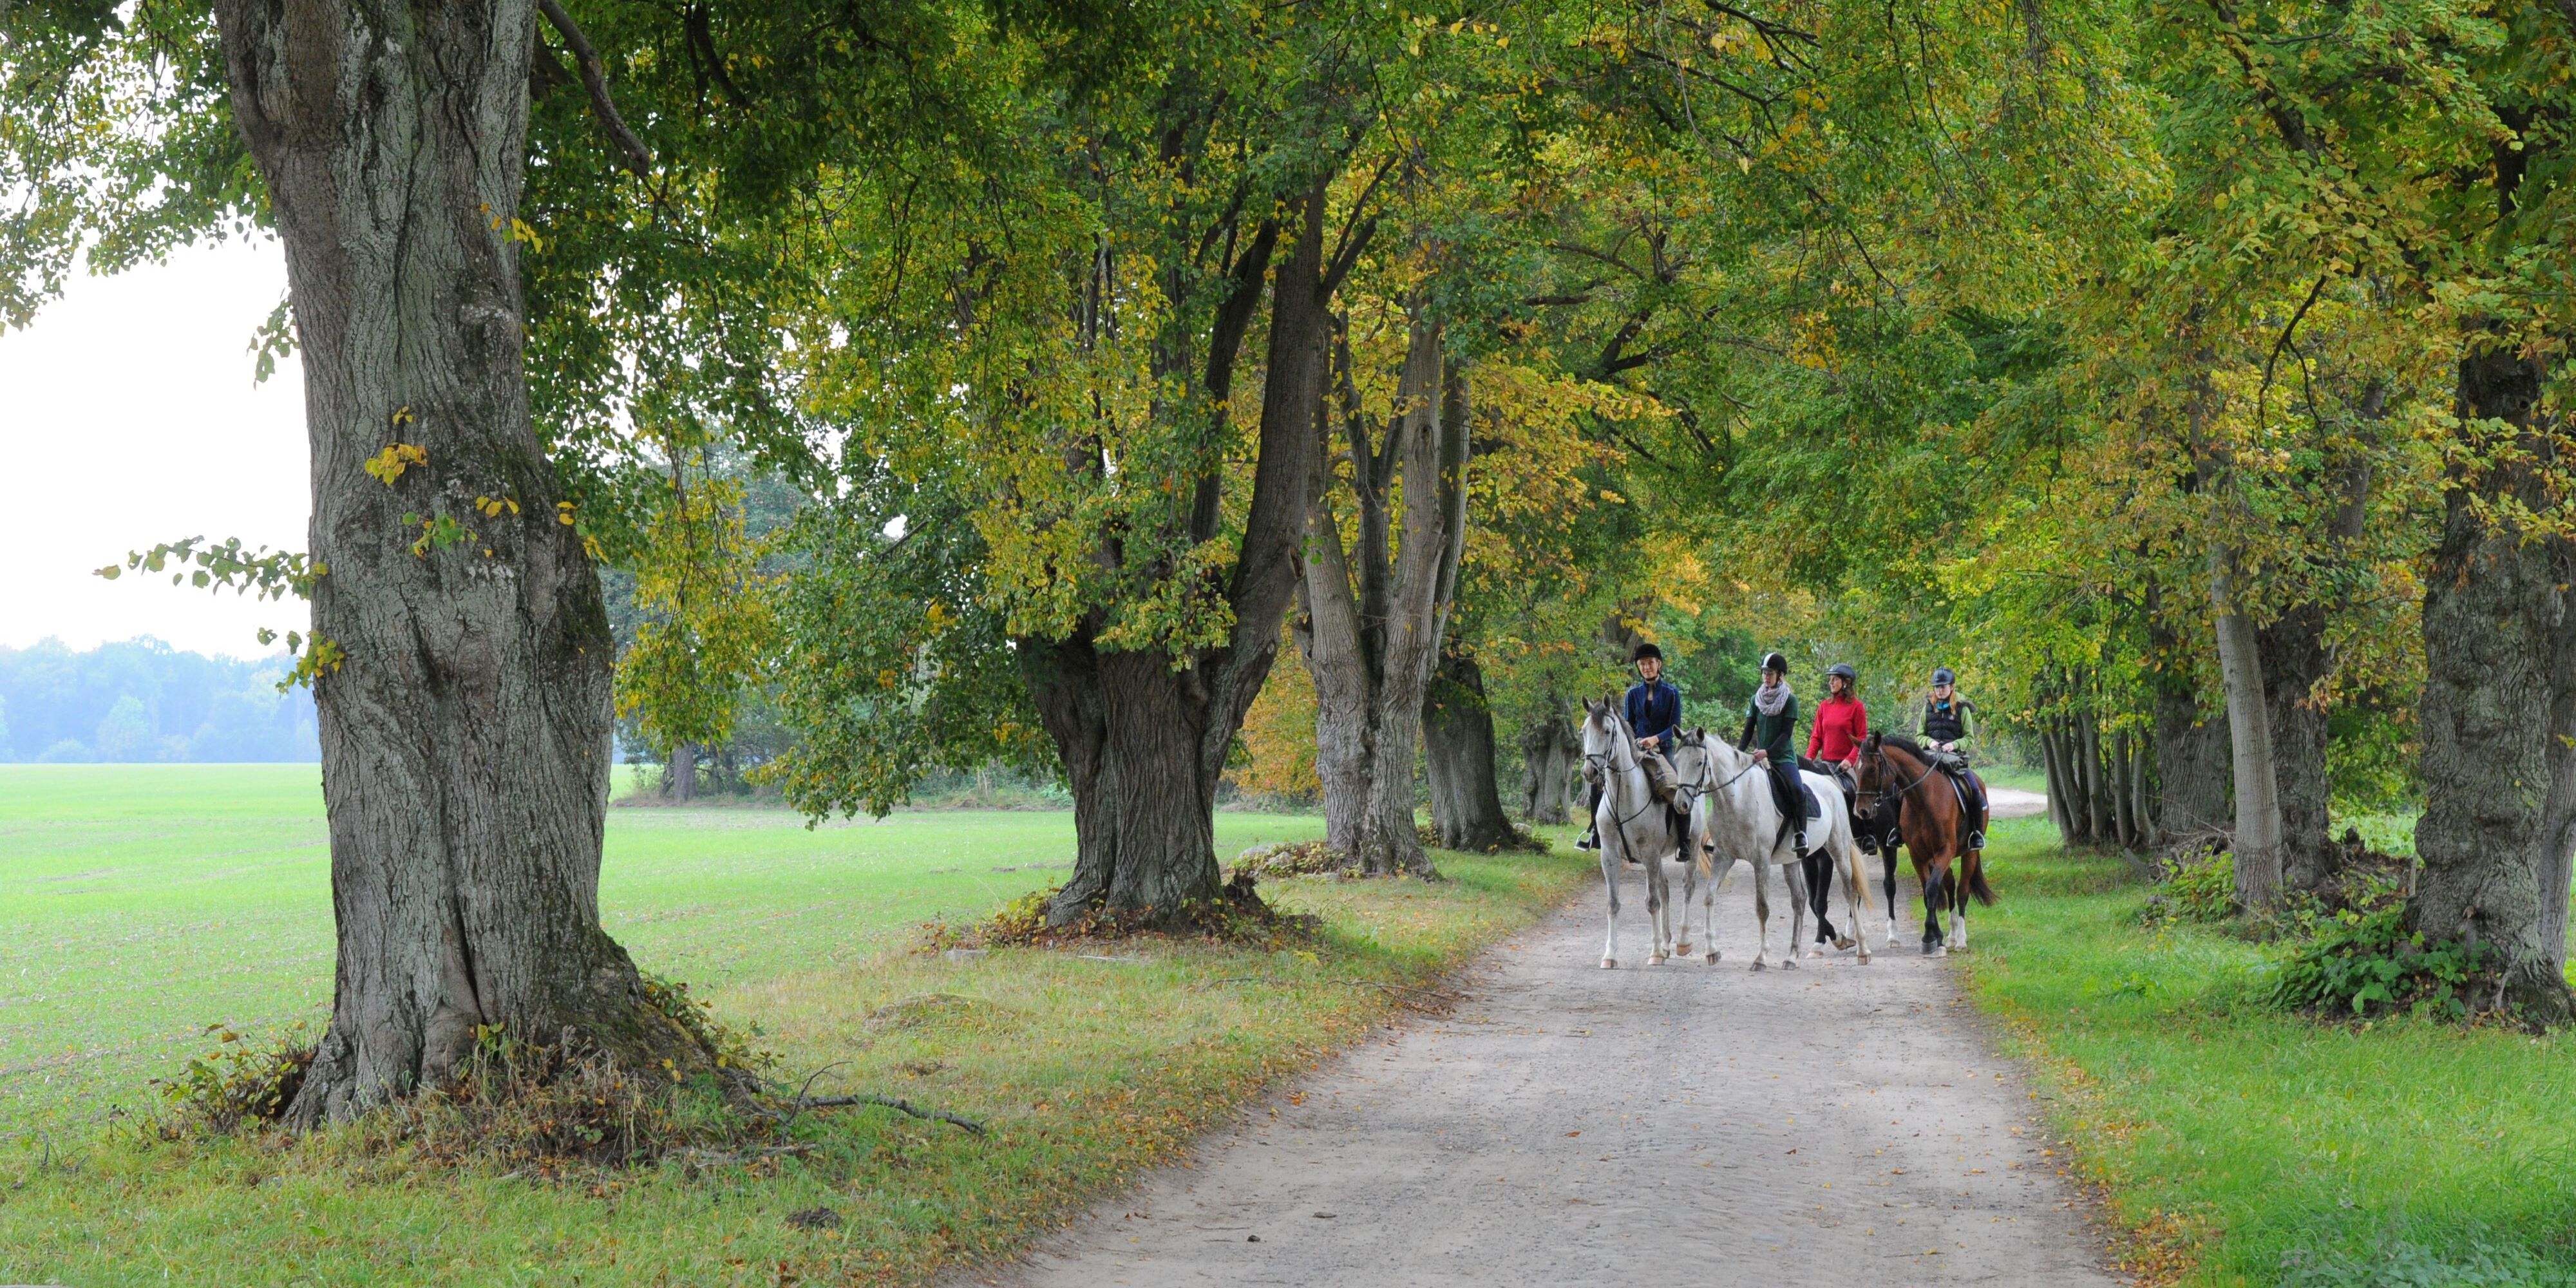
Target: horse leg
(1889,854)
(1859,883)
(1658,908)
(1935,890)
(1761,912)
(1690,891)
(1794,874)
(1959,921)
(1610,881)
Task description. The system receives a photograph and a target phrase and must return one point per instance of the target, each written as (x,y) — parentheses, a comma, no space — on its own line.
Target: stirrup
(1588,841)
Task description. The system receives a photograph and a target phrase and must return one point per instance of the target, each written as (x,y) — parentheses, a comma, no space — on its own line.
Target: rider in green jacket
(1770,731)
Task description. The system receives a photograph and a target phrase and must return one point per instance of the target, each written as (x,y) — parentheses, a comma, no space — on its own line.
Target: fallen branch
(639,158)
(890,1102)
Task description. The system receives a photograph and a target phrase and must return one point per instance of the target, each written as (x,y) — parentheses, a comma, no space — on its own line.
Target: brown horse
(1935,829)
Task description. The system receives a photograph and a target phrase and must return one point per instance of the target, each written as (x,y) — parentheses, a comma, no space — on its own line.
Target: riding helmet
(1941,675)
(1844,669)
(1775,662)
(1645,651)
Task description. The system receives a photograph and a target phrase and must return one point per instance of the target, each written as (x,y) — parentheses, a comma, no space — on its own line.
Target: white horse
(1744,824)
(1632,823)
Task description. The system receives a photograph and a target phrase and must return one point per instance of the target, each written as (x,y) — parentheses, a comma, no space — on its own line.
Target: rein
(1902,792)
(1603,762)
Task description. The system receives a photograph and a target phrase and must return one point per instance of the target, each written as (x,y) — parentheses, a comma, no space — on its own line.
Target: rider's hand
(1645,744)
(1761,755)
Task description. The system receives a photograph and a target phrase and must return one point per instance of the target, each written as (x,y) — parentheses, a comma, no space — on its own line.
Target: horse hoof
(1656,960)
(1712,960)
(1759,967)
(1681,950)
(1935,950)
(1864,959)
(1787,963)
(1609,963)
(1843,944)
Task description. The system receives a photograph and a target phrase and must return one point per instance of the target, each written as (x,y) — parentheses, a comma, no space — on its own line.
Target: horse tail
(1976,878)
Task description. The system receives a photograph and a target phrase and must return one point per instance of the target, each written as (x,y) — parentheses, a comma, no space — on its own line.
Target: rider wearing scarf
(1770,722)
(1654,711)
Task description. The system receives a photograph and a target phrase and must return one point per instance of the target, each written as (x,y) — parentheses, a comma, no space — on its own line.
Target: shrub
(2359,962)
(237,1083)
(2196,884)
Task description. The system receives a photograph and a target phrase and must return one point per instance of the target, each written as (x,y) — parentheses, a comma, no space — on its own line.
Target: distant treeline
(145,701)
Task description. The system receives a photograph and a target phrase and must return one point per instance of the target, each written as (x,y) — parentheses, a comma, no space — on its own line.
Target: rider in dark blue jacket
(1654,711)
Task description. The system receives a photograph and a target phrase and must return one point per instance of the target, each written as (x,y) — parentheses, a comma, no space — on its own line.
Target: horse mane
(1904,744)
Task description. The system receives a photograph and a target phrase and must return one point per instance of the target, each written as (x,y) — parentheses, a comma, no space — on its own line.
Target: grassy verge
(2254,1147)
(1085,1070)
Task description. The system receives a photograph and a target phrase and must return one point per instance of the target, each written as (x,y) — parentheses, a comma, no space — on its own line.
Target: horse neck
(1916,774)
(1629,783)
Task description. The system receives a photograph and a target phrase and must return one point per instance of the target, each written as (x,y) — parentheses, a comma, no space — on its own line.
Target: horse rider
(1654,711)
(1842,723)
(1833,747)
(1770,721)
(1948,722)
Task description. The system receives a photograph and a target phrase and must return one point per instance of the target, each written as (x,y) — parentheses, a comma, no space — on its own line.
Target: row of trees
(2169,368)
(144,701)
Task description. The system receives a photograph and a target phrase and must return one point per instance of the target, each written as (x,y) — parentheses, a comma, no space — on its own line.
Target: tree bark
(683,771)
(1548,754)
(2294,661)
(1144,742)
(2249,727)
(2124,814)
(465,734)
(2499,706)
(2097,797)
(1375,615)
(2192,759)
(1458,757)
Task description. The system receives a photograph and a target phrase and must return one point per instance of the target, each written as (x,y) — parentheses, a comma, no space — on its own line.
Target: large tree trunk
(1548,753)
(2192,765)
(1375,615)
(683,772)
(2249,729)
(1144,743)
(2294,660)
(1458,757)
(465,733)
(2499,707)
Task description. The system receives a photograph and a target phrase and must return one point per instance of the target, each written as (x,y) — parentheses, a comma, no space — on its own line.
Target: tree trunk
(2499,706)
(1458,757)
(1375,615)
(2294,662)
(2249,727)
(2192,766)
(465,732)
(683,772)
(1548,754)
(2124,815)
(1143,742)
(2097,797)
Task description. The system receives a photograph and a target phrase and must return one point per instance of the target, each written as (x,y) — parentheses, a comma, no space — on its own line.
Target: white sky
(128,418)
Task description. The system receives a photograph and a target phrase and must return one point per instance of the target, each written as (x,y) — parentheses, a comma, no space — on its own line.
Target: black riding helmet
(1942,675)
(1844,669)
(1645,651)
(1776,662)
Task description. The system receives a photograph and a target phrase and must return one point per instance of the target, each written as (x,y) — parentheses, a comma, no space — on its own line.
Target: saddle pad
(1808,790)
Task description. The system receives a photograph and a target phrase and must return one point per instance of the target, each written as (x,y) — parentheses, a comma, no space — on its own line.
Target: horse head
(1871,778)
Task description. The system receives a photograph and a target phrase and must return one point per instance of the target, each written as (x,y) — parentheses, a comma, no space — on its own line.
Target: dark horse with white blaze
(1934,824)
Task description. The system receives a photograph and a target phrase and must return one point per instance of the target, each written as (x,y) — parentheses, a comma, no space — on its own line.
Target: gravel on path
(1673,1124)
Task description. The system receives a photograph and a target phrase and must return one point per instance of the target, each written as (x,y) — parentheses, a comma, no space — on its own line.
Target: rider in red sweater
(1842,723)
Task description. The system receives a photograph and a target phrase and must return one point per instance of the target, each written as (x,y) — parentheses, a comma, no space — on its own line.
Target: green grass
(137,905)
(2237,1134)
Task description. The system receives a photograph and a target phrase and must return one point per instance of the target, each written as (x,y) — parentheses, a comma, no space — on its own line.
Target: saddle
(1971,792)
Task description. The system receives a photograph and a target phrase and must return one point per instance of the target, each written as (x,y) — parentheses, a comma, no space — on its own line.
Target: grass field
(139,904)
(2266,1146)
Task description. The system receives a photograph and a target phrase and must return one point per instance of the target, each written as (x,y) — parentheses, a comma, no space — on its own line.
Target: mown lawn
(137,905)
(2263,1146)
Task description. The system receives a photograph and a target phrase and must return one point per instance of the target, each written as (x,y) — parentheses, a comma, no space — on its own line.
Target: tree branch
(638,158)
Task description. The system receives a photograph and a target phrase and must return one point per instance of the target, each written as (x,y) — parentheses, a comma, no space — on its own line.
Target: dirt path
(1674,1124)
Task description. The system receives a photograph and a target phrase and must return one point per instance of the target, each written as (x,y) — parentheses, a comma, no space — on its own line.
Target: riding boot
(1591,838)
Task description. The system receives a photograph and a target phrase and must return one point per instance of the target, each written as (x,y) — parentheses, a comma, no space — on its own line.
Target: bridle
(1600,763)
(1900,793)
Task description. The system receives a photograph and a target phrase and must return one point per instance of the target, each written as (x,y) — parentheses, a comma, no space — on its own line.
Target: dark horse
(1933,822)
